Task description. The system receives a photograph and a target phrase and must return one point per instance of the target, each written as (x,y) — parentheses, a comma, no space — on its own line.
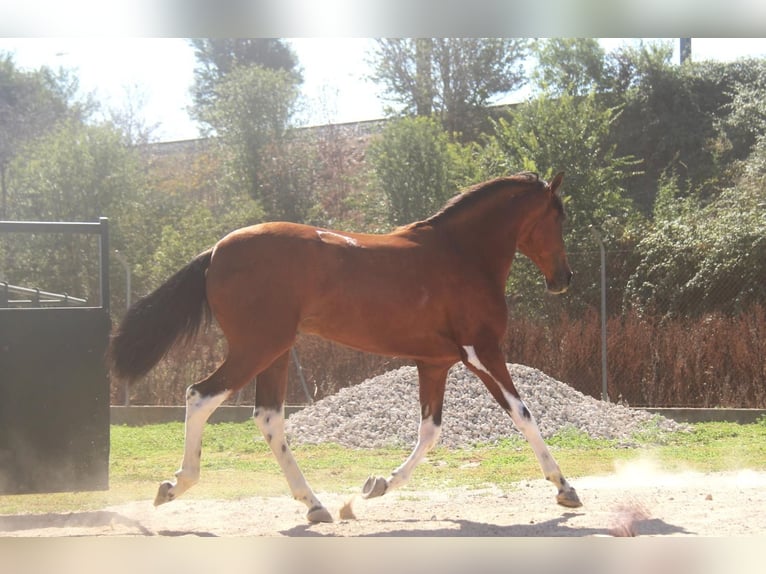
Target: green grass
(236,462)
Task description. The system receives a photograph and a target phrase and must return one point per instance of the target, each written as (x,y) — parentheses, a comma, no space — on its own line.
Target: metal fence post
(126,266)
(604,392)
(104,256)
(299,368)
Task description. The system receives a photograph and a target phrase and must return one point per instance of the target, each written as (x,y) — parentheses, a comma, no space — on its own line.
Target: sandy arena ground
(637,500)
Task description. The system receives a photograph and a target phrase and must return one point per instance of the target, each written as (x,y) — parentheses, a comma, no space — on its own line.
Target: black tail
(174,311)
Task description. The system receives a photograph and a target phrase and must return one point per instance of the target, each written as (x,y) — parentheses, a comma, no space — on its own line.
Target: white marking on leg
(528,427)
(526,424)
(332,237)
(272,425)
(428,435)
(198,410)
(473,359)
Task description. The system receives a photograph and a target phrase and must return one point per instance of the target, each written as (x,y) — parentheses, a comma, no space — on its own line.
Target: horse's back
(375,292)
(296,262)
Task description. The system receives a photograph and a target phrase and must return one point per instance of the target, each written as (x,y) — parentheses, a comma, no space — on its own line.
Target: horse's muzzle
(560,282)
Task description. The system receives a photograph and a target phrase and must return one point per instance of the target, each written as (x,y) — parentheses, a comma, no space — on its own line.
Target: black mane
(479,191)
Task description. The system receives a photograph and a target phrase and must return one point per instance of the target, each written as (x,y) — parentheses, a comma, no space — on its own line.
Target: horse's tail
(155,323)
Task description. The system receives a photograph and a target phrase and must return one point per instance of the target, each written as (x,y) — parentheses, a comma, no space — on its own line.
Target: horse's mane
(478,192)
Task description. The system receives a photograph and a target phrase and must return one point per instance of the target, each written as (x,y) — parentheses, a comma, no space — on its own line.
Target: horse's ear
(556,182)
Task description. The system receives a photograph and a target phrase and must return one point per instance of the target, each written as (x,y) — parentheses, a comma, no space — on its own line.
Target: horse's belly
(383,332)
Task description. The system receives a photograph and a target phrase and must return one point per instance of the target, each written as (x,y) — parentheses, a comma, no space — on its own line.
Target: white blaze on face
(336,238)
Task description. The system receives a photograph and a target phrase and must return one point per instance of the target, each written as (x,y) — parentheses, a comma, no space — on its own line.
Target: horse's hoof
(319,514)
(375,486)
(568,498)
(163,493)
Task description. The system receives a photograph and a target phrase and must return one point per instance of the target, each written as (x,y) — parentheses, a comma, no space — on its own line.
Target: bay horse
(432,291)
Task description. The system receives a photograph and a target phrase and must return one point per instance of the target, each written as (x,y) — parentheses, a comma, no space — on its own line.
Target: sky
(158,72)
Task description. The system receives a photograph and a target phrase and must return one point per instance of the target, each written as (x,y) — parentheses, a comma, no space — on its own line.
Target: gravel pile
(384,411)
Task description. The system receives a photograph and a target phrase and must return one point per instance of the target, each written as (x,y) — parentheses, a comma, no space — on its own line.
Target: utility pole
(686,49)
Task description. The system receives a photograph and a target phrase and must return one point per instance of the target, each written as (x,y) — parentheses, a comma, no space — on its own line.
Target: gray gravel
(384,411)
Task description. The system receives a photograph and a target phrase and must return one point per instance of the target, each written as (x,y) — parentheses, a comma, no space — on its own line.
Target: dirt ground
(637,500)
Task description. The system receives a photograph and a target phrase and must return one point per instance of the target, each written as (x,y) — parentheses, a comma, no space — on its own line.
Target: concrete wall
(689,415)
(141,415)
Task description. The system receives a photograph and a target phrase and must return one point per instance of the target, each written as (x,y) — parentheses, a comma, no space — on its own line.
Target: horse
(432,292)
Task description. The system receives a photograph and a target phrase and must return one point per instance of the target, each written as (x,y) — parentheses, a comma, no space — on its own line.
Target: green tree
(31,103)
(218,57)
(672,119)
(742,89)
(454,78)
(573,66)
(75,172)
(288,178)
(194,229)
(570,134)
(416,166)
(706,255)
(251,115)
(689,120)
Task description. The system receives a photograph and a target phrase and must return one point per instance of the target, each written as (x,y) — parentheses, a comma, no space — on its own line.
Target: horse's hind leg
(270,389)
(202,399)
(432,379)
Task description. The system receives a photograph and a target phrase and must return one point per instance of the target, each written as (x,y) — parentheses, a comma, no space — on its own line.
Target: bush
(415,165)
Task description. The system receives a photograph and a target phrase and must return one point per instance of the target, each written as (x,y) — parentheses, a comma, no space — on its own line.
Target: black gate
(54,389)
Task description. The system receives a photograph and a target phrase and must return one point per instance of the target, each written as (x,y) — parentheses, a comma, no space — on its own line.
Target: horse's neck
(488,237)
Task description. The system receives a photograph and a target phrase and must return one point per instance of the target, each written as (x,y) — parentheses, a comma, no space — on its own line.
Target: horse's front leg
(488,364)
(270,389)
(432,379)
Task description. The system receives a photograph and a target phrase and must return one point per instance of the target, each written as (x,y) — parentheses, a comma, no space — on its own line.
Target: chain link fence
(701,350)
(702,358)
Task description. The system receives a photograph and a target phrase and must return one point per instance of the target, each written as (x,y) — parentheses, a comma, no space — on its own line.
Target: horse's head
(543,241)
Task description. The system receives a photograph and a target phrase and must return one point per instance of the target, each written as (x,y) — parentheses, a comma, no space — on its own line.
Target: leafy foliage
(570,134)
(218,57)
(250,115)
(572,66)
(31,103)
(453,78)
(192,233)
(74,173)
(700,259)
(415,166)
(743,112)
(671,120)
(287,180)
